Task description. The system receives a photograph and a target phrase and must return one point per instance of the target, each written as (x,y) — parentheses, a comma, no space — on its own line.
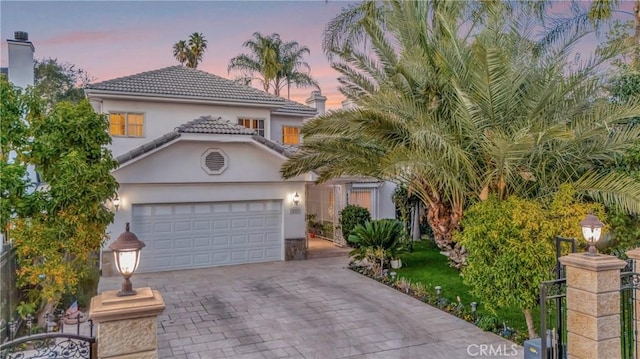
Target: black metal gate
(629,284)
(53,343)
(553,308)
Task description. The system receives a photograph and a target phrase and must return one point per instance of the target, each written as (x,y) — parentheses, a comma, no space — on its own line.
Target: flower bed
(459,304)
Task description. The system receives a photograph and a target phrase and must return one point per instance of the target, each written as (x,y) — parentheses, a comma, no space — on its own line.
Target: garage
(199,235)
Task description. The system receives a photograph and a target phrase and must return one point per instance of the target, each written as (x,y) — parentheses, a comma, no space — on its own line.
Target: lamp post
(591,231)
(126,251)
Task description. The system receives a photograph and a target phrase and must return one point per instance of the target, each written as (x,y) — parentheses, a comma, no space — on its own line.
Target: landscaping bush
(378,241)
(350,217)
(510,247)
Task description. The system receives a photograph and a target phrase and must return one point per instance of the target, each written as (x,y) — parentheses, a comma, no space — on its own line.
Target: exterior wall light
(126,251)
(296,199)
(591,231)
(116,202)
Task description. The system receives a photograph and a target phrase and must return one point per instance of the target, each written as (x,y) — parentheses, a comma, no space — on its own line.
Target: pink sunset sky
(115,38)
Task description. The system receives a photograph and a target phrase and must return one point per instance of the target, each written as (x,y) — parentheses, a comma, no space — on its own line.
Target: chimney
(21,65)
(348,105)
(317,101)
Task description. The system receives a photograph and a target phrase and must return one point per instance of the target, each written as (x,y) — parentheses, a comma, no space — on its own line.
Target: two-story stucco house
(199,159)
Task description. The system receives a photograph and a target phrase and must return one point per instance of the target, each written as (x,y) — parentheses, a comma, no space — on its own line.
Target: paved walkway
(306,309)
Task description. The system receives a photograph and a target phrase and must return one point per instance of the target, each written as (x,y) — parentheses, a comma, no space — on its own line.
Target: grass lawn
(427,266)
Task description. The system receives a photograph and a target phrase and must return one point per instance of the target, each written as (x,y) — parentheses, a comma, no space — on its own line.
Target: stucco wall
(278,121)
(162,117)
(181,163)
(386,208)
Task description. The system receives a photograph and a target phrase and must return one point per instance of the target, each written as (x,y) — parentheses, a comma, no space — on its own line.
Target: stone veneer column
(127,326)
(593,305)
(635,255)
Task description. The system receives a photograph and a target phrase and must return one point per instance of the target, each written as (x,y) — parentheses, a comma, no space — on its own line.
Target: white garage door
(196,235)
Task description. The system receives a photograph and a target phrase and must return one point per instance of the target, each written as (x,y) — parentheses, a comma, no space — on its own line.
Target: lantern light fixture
(116,202)
(126,251)
(296,199)
(591,231)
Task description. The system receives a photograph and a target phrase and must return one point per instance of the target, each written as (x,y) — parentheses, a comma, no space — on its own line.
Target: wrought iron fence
(553,318)
(53,343)
(629,284)
(553,306)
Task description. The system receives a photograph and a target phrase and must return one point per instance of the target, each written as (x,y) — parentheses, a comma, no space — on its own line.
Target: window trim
(298,136)
(257,129)
(126,123)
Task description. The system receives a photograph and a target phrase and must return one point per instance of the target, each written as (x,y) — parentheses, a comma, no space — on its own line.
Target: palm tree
(181,51)
(197,47)
(459,111)
(192,51)
(278,63)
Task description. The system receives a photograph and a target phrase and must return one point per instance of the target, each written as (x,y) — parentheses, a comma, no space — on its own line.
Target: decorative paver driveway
(307,309)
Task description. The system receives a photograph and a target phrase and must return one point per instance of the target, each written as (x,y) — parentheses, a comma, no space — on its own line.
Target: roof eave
(294,113)
(107,94)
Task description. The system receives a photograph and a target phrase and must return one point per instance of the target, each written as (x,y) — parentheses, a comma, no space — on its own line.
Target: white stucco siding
(181,162)
(277,122)
(386,208)
(293,222)
(163,117)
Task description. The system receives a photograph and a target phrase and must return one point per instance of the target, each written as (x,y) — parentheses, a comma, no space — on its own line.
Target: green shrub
(350,217)
(383,237)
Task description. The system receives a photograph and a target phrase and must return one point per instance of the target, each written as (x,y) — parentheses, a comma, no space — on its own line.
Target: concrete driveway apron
(307,309)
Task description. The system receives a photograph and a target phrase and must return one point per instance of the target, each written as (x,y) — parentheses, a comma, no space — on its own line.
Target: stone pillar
(593,305)
(295,249)
(127,326)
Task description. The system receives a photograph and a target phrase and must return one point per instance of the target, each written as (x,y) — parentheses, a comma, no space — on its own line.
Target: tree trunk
(48,307)
(443,221)
(530,326)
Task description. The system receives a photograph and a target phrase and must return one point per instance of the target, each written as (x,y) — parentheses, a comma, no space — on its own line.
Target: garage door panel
(238,239)
(221,241)
(202,225)
(202,242)
(158,244)
(239,256)
(201,259)
(182,243)
(239,223)
(272,254)
(221,224)
(183,226)
(197,235)
(163,227)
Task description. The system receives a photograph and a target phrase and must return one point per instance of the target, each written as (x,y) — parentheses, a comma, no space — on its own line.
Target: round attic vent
(214,161)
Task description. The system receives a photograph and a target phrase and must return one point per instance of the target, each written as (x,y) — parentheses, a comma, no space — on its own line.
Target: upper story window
(290,135)
(257,125)
(126,124)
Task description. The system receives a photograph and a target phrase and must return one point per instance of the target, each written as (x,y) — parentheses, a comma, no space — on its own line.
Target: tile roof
(295,106)
(214,125)
(147,147)
(183,81)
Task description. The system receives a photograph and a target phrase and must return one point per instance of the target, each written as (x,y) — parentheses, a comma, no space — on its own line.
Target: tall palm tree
(457,111)
(191,51)
(197,47)
(181,51)
(277,63)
